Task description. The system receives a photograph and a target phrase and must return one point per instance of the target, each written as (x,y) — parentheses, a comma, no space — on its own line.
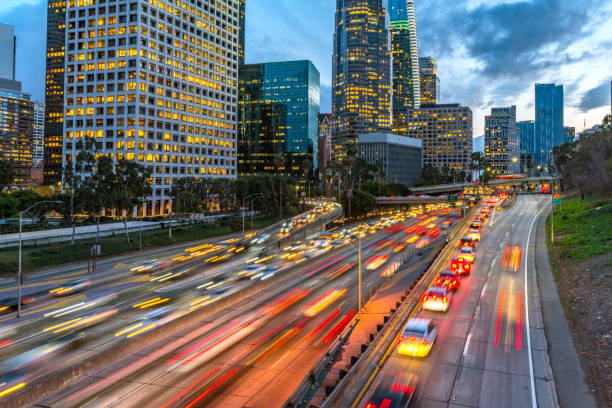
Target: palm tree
(306,167)
(380,173)
(279,162)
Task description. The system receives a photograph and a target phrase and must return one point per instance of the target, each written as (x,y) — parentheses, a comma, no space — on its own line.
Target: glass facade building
(54,91)
(361,71)
(569,134)
(446,132)
(548,121)
(401,156)
(242,32)
(17,133)
(405,57)
(502,141)
(430,82)
(526,130)
(278,114)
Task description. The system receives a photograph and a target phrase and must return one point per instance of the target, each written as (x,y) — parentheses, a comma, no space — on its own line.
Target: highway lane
(486,353)
(122,289)
(147,380)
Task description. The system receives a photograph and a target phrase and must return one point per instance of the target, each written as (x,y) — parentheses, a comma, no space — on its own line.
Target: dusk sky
(489,53)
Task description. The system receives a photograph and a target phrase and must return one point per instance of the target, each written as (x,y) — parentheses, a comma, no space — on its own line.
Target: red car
(448,279)
(461,266)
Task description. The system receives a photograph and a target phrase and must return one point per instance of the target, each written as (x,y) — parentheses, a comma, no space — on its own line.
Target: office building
(401,156)
(361,71)
(526,130)
(54,91)
(155,83)
(478,144)
(502,148)
(405,57)
(569,134)
(17,131)
(8,44)
(325,137)
(548,121)
(446,134)
(278,114)
(242,32)
(38,147)
(430,82)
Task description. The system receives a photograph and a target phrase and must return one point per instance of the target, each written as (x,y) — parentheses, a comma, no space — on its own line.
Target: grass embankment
(581,259)
(44,256)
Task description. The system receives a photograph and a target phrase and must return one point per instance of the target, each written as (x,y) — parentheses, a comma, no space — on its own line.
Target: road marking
(484,289)
(499,317)
(534,402)
(467,344)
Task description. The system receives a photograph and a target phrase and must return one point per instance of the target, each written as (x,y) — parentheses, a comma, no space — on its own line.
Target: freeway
(255,352)
(490,349)
(62,313)
(189,327)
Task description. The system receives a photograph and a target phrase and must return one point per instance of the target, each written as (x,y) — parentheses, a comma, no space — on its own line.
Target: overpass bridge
(476,187)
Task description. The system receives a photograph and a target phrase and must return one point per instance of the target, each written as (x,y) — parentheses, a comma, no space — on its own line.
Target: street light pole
(359,260)
(19,272)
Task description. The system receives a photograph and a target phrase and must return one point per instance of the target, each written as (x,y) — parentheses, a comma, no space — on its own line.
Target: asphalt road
(251,354)
(490,350)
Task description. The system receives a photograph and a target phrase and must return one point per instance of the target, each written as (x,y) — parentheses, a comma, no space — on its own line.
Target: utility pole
(359,296)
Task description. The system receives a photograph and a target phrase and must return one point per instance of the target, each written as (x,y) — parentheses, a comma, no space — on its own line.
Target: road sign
(557,201)
(452,198)
(556,196)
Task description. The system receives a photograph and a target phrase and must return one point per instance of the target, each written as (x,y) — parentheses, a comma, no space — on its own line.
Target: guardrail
(357,380)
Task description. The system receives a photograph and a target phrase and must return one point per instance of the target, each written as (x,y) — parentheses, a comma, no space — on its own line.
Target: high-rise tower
(54,91)
(155,83)
(430,82)
(404,48)
(361,78)
(548,121)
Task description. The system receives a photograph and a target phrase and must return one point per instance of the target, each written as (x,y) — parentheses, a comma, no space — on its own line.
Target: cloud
(7,5)
(595,97)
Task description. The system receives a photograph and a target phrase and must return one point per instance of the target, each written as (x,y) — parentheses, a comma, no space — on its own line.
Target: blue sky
(489,52)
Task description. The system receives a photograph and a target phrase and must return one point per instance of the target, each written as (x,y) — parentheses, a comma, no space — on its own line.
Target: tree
(306,167)
(430,176)
(7,173)
(130,187)
(380,173)
(363,203)
(188,195)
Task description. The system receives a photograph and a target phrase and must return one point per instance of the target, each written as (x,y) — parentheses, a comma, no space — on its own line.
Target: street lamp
(19,270)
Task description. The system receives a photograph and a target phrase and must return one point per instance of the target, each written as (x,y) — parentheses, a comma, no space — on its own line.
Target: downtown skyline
(553,53)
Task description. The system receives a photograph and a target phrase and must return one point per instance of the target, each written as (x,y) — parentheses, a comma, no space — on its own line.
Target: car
(71,287)
(437,298)
(467,253)
(251,270)
(321,243)
(260,239)
(475,223)
(474,234)
(417,338)
(460,265)
(286,228)
(467,241)
(395,391)
(448,280)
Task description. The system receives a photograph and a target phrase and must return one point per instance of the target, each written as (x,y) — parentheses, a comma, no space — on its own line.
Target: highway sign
(557,201)
(452,198)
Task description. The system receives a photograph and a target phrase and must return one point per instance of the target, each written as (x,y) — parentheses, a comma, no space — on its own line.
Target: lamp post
(19,270)
(245,200)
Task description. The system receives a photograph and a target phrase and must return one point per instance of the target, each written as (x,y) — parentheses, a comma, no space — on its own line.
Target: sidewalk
(567,373)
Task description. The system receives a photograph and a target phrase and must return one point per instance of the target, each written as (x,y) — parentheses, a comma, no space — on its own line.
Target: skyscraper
(278,114)
(430,82)
(54,91)
(548,121)
(446,131)
(8,43)
(405,53)
(155,83)
(242,34)
(16,131)
(526,131)
(361,77)
(325,136)
(569,134)
(502,141)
